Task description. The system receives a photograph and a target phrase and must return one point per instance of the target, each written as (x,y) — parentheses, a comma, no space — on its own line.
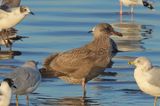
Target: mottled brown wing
(72,60)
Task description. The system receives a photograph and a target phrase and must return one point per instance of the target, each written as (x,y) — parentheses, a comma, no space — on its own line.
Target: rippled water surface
(60,25)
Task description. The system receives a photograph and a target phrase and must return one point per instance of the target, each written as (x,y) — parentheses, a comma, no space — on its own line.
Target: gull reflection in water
(69,101)
(133,34)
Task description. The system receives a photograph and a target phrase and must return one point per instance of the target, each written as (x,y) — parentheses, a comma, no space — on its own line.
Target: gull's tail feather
(47,71)
(148,5)
(48,61)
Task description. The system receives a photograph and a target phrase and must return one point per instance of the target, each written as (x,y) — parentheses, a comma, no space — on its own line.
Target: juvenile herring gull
(79,65)
(147,76)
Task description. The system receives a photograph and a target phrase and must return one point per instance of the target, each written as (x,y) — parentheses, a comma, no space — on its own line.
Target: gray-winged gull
(26,78)
(147,76)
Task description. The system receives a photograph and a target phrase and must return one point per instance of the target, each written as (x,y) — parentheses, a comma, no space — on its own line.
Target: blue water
(60,25)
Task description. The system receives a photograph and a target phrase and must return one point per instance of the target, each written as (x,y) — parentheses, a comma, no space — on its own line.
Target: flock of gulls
(76,66)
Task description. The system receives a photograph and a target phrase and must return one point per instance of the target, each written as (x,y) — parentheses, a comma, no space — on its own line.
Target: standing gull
(12,17)
(79,65)
(6,91)
(147,76)
(26,78)
(133,3)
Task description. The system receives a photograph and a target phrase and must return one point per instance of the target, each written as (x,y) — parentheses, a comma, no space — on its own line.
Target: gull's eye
(24,9)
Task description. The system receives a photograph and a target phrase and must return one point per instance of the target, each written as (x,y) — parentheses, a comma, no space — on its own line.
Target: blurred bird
(79,65)
(147,76)
(9,37)
(6,91)
(15,16)
(26,78)
(7,6)
(133,3)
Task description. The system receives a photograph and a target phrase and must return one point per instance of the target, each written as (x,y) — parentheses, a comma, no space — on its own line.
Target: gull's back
(25,78)
(154,76)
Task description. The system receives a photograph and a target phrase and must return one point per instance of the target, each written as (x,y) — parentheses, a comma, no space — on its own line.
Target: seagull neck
(102,42)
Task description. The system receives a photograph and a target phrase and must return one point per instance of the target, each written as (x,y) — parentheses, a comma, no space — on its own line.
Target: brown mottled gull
(79,65)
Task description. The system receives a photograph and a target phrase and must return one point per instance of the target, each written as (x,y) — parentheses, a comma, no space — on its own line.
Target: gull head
(104,29)
(9,82)
(142,63)
(31,64)
(25,10)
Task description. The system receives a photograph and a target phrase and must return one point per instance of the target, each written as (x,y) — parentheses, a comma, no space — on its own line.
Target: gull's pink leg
(120,12)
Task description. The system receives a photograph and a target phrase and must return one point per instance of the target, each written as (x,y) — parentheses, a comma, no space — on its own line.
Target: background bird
(13,17)
(7,5)
(6,91)
(133,3)
(9,37)
(26,78)
(79,65)
(147,76)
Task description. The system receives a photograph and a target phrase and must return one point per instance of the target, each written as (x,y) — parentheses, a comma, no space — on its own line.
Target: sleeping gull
(133,3)
(147,76)
(26,78)
(79,65)
(6,91)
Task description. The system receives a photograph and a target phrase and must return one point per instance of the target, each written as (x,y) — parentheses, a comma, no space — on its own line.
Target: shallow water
(60,25)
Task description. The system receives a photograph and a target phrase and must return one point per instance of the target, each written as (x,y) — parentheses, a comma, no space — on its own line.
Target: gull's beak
(90,31)
(116,33)
(131,63)
(14,86)
(31,13)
